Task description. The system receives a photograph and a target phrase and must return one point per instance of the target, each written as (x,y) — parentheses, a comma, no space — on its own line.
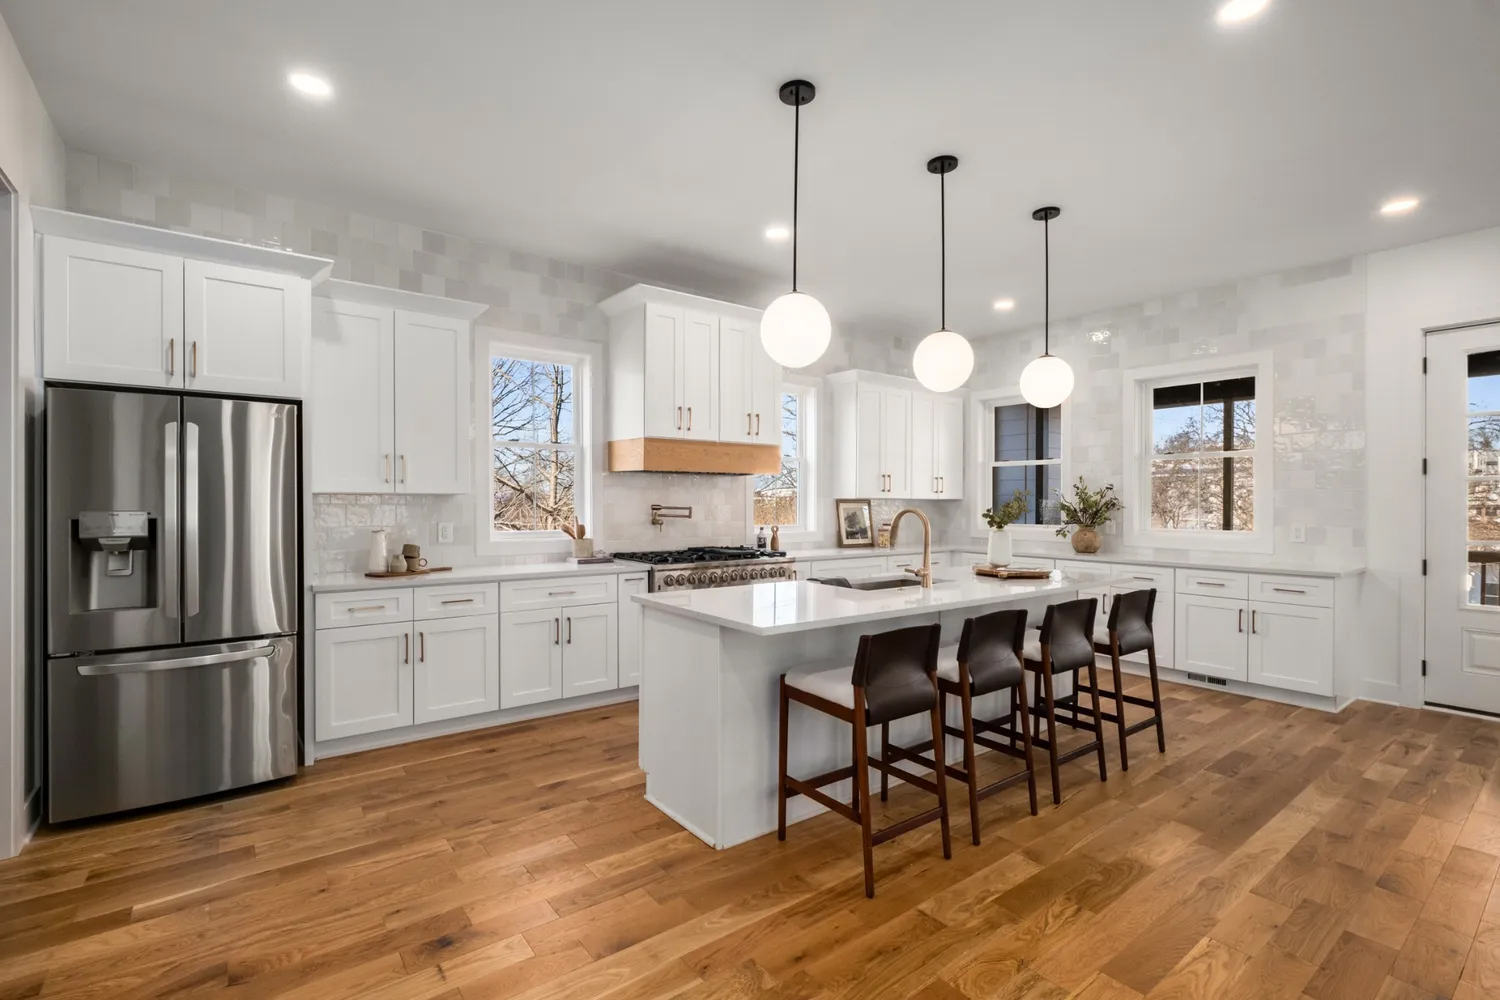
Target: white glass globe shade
(943,361)
(1046,382)
(795,330)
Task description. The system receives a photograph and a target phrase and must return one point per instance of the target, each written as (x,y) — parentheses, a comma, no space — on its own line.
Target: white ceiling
(647,136)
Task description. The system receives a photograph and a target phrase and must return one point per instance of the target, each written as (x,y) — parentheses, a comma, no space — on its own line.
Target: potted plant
(1086,512)
(999,518)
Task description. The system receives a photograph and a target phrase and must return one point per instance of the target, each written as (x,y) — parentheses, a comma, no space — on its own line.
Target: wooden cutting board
(385,574)
(1003,573)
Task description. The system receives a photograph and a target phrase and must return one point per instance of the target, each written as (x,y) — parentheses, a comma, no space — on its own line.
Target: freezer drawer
(137,729)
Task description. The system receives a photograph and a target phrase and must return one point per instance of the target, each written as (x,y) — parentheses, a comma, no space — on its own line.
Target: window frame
(982,422)
(806,388)
(1139,448)
(586,359)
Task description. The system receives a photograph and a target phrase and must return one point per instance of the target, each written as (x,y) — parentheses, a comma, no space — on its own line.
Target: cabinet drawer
(457,600)
(362,607)
(1308,591)
(532,594)
(1163,578)
(1212,583)
(854,569)
(900,564)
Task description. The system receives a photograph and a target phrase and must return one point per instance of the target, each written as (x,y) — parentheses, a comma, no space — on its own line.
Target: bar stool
(894,676)
(1066,643)
(986,660)
(1129,631)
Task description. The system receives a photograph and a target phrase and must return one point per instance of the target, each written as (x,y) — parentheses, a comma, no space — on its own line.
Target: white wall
(31,160)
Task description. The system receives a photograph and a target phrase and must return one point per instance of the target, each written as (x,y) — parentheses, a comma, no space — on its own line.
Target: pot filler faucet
(925,573)
(658,512)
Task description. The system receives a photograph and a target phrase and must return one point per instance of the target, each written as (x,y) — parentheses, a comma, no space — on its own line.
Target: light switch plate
(445,533)
(1299,532)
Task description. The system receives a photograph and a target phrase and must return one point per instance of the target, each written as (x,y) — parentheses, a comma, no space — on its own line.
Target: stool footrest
(910,823)
(844,809)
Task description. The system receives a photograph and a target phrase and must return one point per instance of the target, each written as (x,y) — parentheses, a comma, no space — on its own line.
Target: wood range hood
(723,458)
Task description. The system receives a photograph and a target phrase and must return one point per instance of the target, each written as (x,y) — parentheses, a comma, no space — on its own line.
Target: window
(535,442)
(783,498)
(1026,455)
(1202,471)
(1483,470)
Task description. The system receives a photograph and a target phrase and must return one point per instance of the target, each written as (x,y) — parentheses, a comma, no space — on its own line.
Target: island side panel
(680,740)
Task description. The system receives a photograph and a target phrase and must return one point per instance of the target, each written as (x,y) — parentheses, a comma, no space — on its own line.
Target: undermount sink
(881,583)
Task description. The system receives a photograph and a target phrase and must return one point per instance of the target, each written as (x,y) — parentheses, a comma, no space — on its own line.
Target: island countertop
(800,606)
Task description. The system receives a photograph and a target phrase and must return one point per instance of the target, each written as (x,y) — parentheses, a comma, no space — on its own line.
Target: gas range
(700,568)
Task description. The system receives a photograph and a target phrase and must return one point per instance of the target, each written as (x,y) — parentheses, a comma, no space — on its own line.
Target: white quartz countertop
(475,574)
(798,606)
(1220,562)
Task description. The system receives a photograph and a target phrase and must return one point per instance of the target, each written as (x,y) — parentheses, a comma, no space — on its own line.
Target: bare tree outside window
(535,450)
(777,499)
(1202,472)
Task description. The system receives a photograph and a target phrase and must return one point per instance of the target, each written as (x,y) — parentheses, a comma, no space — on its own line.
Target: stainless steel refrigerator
(172,579)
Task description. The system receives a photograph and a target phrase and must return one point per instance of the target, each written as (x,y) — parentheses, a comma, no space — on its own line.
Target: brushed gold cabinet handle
(367,607)
(690,418)
(748,431)
(1241,626)
(679,418)
(757,425)
(387,467)
(194,370)
(171,355)
(403,468)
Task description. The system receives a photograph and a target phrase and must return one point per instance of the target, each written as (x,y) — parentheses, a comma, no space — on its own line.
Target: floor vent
(1205,679)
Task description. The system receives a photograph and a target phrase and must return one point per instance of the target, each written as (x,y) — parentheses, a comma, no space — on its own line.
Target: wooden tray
(386,574)
(1002,573)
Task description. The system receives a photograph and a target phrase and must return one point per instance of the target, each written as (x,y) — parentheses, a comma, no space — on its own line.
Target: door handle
(194,370)
(1241,626)
(460,600)
(1252,622)
(757,425)
(170,581)
(690,418)
(171,355)
(1210,583)
(556,632)
(406,656)
(748,431)
(179,663)
(190,580)
(679,418)
(403,468)
(421,647)
(570,630)
(387,466)
(367,607)
(1288,590)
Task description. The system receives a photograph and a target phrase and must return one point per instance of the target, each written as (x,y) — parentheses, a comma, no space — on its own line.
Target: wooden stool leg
(781,780)
(969,769)
(1018,705)
(1051,728)
(940,774)
(885,756)
(1114,663)
(1161,732)
(862,790)
(1098,721)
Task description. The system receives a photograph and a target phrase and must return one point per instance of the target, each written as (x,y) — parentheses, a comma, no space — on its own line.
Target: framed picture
(855,522)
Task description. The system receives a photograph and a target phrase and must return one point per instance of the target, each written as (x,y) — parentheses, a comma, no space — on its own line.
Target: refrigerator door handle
(180,663)
(190,588)
(169,524)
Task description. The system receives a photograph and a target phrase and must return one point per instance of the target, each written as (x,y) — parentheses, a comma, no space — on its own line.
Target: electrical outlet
(445,533)
(1299,532)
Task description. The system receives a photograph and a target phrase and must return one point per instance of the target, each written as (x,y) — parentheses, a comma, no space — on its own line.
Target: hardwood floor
(1271,852)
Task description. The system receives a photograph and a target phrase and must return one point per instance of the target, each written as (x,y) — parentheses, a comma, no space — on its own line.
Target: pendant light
(1048,380)
(943,360)
(795,329)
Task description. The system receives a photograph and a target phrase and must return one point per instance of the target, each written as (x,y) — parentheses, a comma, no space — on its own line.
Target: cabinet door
(111,314)
(458,668)
(736,408)
(1291,647)
(530,657)
(433,400)
(362,679)
(924,474)
(895,441)
(244,331)
(948,446)
(351,404)
(765,389)
(590,649)
(699,379)
(1212,636)
(630,630)
(869,474)
(663,402)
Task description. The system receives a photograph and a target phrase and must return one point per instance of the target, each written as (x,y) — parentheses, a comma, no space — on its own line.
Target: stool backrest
(991,647)
(896,670)
(1130,620)
(1068,633)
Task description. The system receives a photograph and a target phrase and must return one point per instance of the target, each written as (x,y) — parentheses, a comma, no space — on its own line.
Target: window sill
(527,544)
(1260,542)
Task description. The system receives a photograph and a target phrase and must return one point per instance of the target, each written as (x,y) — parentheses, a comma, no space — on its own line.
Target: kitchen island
(708,700)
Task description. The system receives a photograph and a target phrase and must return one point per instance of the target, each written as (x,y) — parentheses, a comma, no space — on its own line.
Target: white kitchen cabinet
(1291,647)
(661,396)
(937,441)
(590,658)
(749,385)
(457,669)
(244,330)
(530,657)
(1213,636)
(351,425)
(111,314)
(433,403)
(362,679)
(698,381)
(630,629)
(894,441)
(879,439)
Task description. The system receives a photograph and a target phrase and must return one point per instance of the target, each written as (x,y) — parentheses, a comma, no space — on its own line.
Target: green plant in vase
(999,518)
(1085,512)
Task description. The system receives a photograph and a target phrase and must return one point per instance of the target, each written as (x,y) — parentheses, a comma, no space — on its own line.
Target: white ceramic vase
(379,559)
(999,552)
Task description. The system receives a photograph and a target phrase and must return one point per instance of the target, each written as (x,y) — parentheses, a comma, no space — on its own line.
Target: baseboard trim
(1258,691)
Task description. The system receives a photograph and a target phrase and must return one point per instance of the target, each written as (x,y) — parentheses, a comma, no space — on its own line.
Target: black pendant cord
(943,253)
(1046,287)
(796,174)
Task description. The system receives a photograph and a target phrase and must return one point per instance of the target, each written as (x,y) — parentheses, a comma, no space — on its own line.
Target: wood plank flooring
(1271,852)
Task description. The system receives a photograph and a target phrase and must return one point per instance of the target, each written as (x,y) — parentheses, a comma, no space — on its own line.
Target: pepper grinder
(775,538)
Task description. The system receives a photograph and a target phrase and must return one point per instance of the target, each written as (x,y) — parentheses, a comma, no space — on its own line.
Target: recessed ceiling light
(1399,206)
(310,85)
(776,233)
(1237,11)
(1004,305)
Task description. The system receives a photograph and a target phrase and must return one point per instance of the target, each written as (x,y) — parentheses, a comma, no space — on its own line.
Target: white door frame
(14,823)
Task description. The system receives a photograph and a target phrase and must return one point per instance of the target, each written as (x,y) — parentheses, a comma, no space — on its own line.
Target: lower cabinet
(1212,637)
(1283,644)
(560,652)
(363,678)
(630,629)
(590,659)
(1291,647)
(455,671)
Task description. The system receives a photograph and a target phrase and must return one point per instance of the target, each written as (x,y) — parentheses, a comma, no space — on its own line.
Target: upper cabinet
(391,393)
(133,305)
(686,373)
(895,439)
